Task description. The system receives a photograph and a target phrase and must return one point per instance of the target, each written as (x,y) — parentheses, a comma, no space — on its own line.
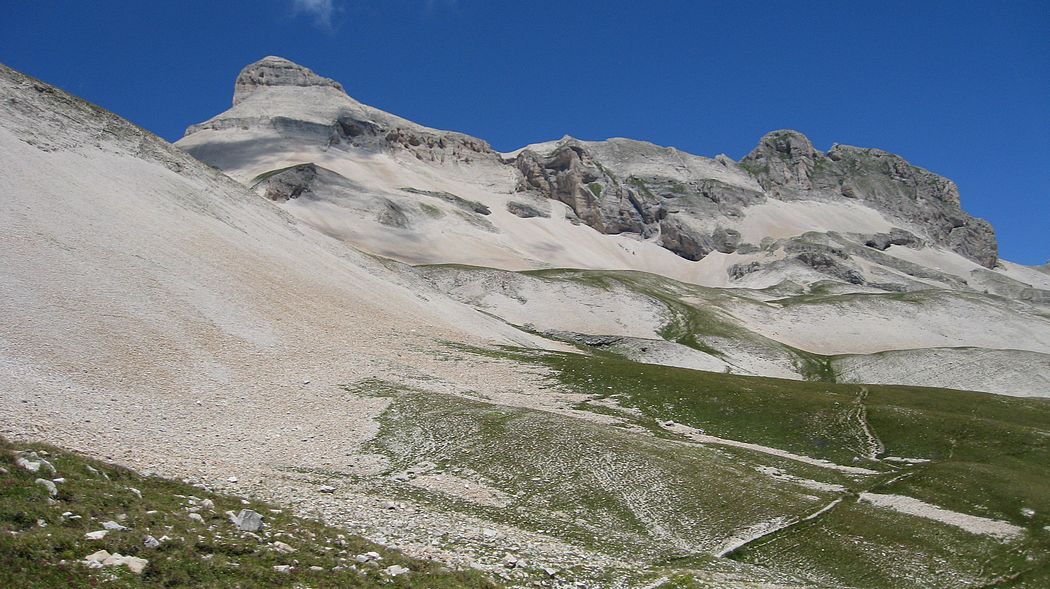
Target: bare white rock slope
(137,282)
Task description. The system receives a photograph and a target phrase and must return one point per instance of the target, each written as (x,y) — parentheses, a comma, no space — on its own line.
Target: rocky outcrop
(471,206)
(683,216)
(569,174)
(287,183)
(995,283)
(828,260)
(788,167)
(896,236)
(525,210)
(782,159)
(276,71)
(693,244)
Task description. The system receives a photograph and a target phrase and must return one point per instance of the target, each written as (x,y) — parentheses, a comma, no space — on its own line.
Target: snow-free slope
(136,281)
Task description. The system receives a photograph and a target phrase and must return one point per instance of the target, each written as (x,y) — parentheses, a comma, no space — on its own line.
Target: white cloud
(320,10)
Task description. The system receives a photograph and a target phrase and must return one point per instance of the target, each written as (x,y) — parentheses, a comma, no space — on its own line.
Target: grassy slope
(990,455)
(642,499)
(200,554)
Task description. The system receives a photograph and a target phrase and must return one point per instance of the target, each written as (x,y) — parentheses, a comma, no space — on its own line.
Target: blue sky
(960,88)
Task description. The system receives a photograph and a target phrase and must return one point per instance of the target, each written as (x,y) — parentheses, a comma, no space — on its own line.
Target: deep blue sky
(960,88)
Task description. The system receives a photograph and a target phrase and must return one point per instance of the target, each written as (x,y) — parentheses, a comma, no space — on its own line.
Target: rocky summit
(330,346)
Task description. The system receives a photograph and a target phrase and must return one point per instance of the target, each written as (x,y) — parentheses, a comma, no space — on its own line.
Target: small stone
(283,548)
(59,480)
(99,556)
(1028,512)
(282,568)
(361,559)
(396,570)
(549,571)
(52,490)
(326,489)
(96,535)
(208,504)
(197,517)
(150,542)
(137,565)
(232,479)
(389,505)
(41,523)
(316,568)
(373,556)
(113,526)
(136,492)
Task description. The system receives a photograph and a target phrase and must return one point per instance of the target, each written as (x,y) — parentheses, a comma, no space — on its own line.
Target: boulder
(52,490)
(134,563)
(282,547)
(248,521)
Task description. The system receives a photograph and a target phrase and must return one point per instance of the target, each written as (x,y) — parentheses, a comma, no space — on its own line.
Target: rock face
(276,71)
(570,175)
(786,165)
(602,189)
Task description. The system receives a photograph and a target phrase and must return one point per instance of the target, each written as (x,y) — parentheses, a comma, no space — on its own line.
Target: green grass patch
(210,553)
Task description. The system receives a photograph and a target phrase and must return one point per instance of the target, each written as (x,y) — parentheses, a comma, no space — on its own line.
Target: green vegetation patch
(592,484)
(42,547)
(859,545)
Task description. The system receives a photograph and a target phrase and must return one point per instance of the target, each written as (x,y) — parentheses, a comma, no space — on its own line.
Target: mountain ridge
(689,205)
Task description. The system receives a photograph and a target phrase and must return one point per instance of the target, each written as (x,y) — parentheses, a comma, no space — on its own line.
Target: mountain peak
(276,71)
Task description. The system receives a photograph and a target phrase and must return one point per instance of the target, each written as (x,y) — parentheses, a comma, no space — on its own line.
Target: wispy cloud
(320,11)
